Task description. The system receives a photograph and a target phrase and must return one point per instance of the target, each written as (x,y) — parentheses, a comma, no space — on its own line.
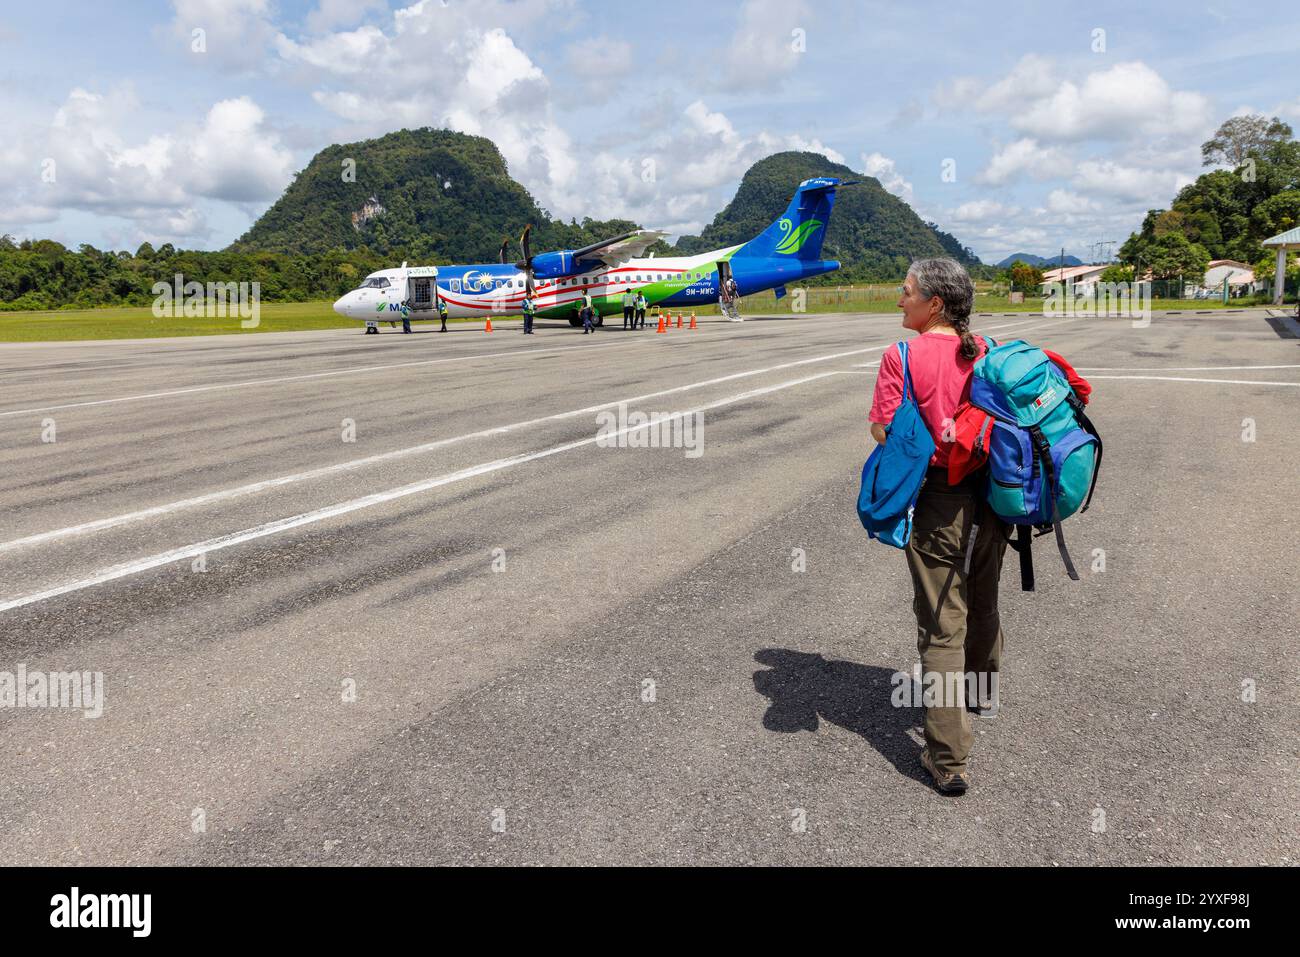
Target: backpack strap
(1043,450)
(1077,405)
(908,390)
(1024,541)
(970,546)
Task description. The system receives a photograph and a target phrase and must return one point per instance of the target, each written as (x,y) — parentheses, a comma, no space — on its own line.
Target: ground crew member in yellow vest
(527,308)
(442,314)
(629,309)
(640,312)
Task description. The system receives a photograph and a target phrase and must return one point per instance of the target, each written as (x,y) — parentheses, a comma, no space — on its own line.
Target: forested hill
(874,234)
(429,195)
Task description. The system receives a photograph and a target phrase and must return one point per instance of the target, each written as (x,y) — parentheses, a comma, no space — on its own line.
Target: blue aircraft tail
(801,229)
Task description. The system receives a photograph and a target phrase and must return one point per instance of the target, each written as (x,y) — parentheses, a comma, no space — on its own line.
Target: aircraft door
(421,294)
(422,289)
(725,285)
(724,280)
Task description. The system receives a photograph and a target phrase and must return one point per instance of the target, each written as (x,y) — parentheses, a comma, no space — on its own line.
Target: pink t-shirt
(940,376)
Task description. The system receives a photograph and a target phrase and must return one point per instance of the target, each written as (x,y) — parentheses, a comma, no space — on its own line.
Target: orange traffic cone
(661,324)
(488,327)
(693,326)
(679,320)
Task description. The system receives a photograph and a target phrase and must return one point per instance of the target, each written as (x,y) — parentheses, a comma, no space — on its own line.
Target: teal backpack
(1043,452)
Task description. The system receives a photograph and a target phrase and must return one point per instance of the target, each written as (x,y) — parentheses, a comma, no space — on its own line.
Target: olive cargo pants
(957,623)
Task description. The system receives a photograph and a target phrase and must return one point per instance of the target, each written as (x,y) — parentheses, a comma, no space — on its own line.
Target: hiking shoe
(990,712)
(947,783)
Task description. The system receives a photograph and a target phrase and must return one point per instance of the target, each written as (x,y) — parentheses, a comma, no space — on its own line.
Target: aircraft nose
(340,305)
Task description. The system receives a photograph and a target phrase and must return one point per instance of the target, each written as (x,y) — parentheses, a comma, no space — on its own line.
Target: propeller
(505,248)
(527,264)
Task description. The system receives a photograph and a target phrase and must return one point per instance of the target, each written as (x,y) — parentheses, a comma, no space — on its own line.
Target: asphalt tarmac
(392,599)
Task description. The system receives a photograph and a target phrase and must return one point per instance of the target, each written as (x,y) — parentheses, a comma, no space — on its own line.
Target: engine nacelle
(554,265)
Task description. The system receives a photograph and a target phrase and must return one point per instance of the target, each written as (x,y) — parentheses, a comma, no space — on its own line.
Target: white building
(1085,278)
(1239,276)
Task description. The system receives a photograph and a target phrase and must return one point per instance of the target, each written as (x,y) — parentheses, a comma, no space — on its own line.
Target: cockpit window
(375,282)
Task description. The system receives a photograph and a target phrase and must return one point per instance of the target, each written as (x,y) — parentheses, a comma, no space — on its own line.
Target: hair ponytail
(970,349)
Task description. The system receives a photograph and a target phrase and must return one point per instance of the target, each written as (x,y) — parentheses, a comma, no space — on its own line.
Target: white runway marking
(366,501)
(1182,368)
(253,487)
(1171,378)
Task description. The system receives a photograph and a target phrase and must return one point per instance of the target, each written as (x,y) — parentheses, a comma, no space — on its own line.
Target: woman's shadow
(807,688)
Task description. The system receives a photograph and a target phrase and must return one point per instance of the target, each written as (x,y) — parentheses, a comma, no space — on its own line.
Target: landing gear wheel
(372,330)
(575,323)
(600,320)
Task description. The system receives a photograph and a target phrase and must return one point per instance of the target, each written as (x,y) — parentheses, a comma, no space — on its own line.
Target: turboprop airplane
(787,251)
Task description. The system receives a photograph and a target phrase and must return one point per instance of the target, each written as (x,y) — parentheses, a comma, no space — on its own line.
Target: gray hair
(949,280)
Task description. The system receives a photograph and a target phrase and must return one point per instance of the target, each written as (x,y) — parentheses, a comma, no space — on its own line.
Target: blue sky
(1057,124)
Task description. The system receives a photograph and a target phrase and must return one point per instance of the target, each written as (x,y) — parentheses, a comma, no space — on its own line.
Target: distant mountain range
(442,197)
(1048,262)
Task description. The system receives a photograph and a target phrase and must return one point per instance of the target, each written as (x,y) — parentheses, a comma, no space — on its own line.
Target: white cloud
(884,169)
(155,181)
(1064,201)
(1138,184)
(1031,78)
(233,157)
(483,82)
(344,54)
(1024,159)
(597,65)
(997,240)
(717,154)
(340,13)
(763,49)
(235,32)
(982,210)
(1127,101)
(1289,110)
(442,67)
(1109,143)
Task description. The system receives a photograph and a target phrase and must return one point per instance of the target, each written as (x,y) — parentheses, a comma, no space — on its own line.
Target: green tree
(1241,136)
(1024,277)
(1276,214)
(1173,256)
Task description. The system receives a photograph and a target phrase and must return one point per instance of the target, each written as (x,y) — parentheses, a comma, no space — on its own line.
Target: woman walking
(955,553)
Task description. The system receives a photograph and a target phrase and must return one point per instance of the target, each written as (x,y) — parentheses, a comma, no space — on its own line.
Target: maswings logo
(795,238)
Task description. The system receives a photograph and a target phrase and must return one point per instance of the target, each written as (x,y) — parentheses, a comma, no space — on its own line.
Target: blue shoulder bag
(894,472)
